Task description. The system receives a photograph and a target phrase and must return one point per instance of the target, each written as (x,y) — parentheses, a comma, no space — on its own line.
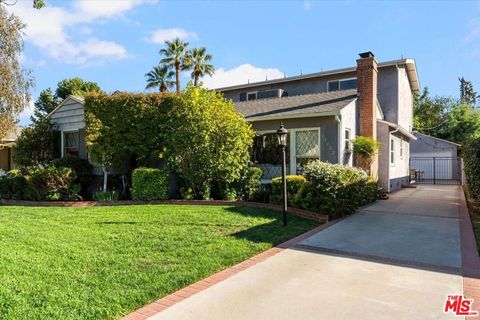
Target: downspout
(339,133)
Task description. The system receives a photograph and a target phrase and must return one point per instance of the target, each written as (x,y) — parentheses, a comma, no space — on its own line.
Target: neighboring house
(325,111)
(435,160)
(6,146)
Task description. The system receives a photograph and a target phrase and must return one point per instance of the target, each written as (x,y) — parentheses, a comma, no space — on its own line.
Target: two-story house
(325,111)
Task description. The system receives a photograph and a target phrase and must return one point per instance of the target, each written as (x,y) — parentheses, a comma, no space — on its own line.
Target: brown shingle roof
(321,103)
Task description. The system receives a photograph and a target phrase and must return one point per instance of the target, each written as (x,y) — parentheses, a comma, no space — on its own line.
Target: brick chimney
(367,90)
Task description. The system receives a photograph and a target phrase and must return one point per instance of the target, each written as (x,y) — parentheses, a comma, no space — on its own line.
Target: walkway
(396,259)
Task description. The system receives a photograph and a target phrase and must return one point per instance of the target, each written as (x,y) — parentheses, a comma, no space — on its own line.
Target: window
(307,147)
(392,151)
(71,143)
(252,96)
(348,141)
(342,84)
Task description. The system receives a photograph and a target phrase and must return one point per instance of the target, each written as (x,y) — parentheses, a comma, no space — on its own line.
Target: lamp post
(282,143)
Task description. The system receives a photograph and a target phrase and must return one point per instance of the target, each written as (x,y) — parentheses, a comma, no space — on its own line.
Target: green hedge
(40,184)
(471,161)
(149,184)
(294,184)
(335,189)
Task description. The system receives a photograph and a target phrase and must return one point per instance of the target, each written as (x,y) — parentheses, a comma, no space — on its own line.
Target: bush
(106,196)
(294,184)
(250,182)
(335,189)
(471,161)
(82,168)
(35,145)
(40,183)
(149,184)
(365,148)
(207,140)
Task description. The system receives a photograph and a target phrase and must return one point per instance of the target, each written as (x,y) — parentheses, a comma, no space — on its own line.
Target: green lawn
(103,262)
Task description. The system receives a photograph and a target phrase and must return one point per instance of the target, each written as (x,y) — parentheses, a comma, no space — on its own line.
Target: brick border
(470,256)
(318,217)
(164,303)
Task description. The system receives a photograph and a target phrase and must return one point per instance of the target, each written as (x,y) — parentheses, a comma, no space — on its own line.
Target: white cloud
(48,29)
(242,74)
(162,35)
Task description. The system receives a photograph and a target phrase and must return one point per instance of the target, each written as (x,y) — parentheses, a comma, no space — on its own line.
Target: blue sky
(115,42)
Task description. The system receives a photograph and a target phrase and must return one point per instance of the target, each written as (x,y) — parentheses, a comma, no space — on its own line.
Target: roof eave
(293,116)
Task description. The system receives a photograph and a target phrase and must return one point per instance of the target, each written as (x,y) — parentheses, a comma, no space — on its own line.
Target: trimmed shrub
(294,184)
(251,182)
(39,184)
(471,161)
(335,189)
(149,184)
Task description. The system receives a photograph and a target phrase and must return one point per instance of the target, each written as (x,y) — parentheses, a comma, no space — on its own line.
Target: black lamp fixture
(282,143)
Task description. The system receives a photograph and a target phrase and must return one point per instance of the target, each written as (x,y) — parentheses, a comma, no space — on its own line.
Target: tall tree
(45,104)
(462,125)
(15,82)
(160,77)
(429,112)
(175,54)
(198,60)
(467,93)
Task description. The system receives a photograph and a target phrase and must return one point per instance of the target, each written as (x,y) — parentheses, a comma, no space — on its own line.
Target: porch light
(282,143)
(282,136)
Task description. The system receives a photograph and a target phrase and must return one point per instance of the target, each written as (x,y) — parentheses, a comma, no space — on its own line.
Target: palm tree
(160,77)
(197,60)
(175,53)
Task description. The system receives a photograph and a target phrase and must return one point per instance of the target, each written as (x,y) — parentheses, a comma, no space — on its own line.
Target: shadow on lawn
(272,232)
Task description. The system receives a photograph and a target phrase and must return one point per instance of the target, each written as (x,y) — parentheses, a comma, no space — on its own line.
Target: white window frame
(252,92)
(349,140)
(339,80)
(392,151)
(293,148)
(62,140)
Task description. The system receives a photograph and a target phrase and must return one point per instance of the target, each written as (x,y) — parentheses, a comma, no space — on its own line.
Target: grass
(104,262)
(474,209)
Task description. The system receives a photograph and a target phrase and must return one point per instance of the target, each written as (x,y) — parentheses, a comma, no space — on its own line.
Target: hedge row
(471,161)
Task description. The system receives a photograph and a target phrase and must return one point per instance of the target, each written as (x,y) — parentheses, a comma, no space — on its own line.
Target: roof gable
(65,101)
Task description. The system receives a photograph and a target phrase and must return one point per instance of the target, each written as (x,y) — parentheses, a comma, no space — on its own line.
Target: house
(6,146)
(68,119)
(325,111)
(435,160)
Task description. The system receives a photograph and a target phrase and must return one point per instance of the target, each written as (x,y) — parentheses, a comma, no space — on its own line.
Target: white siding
(400,168)
(348,121)
(69,117)
(405,100)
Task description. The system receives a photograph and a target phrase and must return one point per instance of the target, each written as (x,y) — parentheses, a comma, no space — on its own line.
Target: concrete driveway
(396,259)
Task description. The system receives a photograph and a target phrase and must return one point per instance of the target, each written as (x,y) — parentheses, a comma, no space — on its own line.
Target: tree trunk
(163,88)
(195,80)
(105,179)
(177,75)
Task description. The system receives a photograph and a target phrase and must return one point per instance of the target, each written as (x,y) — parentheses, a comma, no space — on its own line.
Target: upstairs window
(252,96)
(342,84)
(348,141)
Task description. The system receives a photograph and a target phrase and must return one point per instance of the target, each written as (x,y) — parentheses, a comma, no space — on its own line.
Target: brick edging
(318,217)
(164,303)
(470,256)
